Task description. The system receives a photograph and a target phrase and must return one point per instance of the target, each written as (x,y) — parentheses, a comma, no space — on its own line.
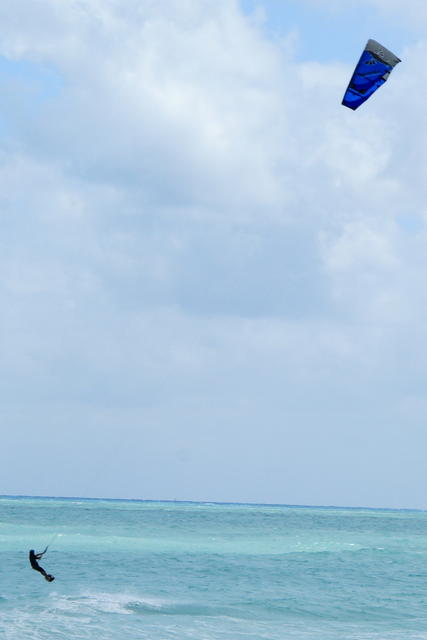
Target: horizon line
(212,502)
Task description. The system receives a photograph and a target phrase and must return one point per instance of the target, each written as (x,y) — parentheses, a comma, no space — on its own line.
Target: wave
(127,604)
(184,609)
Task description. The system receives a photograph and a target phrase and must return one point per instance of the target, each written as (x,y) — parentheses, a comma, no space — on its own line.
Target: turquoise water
(130,570)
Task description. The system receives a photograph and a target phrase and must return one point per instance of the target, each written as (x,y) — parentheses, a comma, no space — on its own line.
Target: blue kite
(372,70)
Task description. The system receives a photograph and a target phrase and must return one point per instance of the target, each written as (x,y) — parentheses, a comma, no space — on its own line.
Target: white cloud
(194,230)
(164,98)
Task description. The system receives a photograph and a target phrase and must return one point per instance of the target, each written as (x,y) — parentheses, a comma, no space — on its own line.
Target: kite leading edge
(372,70)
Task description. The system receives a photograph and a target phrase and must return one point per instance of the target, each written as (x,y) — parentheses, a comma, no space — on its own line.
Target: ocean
(131,570)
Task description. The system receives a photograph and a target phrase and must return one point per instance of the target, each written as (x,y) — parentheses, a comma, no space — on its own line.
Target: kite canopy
(372,70)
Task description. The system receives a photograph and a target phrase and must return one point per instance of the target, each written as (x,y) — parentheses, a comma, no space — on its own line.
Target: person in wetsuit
(35,565)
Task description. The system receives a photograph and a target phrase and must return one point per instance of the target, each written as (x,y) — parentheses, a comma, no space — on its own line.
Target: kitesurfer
(35,565)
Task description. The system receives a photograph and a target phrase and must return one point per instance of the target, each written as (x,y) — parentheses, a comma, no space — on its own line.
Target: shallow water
(152,570)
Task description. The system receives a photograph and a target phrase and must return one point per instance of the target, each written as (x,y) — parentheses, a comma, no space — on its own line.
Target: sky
(212,274)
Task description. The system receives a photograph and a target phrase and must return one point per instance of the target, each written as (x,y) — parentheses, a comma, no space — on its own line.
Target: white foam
(95,602)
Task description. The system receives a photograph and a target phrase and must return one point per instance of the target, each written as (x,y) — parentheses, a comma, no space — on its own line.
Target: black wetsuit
(35,565)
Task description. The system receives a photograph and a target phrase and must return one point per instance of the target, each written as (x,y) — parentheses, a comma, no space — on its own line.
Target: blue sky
(330,32)
(212,274)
